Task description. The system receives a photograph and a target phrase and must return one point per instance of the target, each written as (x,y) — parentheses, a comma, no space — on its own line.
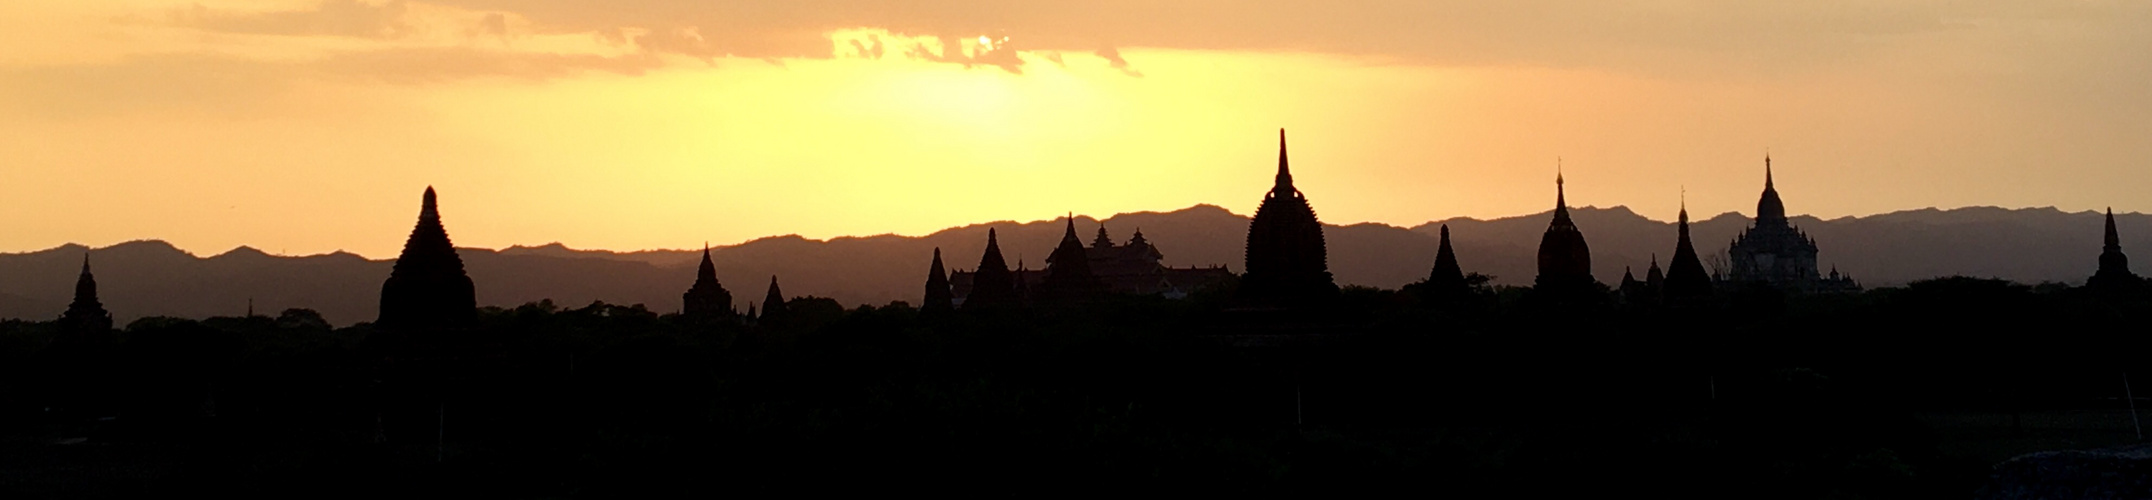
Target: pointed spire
(85,313)
(1561,194)
(1770,211)
(773,303)
(427,287)
(707,298)
(1447,274)
(1069,235)
(1685,275)
(1767,171)
(991,282)
(938,295)
(1284,185)
(2114,239)
(1102,241)
(707,270)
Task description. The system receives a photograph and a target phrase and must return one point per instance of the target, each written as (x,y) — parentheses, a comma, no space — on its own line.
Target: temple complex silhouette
(1068,275)
(1773,253)
(1287,264)
(1134,268)
(428,287)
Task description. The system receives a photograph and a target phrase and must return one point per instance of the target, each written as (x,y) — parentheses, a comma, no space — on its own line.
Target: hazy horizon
(390,254)
(308,125)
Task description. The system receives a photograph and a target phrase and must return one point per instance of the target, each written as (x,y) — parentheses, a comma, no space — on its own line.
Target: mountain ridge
(152,277)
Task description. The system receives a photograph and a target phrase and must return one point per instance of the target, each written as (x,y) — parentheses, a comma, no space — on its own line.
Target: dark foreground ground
(1910,393)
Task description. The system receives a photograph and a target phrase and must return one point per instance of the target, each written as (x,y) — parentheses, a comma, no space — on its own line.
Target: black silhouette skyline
(994,366)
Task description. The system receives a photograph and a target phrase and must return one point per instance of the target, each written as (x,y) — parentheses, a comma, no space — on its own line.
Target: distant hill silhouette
(152,278)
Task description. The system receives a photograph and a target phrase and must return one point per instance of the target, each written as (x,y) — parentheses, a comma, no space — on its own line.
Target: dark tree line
(1486,392)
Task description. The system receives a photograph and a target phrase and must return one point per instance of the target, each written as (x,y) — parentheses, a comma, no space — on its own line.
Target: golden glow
(123,125)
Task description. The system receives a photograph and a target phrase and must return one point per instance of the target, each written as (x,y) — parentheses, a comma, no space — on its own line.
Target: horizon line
(1007,222)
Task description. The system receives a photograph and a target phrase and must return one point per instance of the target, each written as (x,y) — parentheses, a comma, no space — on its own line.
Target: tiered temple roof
(1774,253)
(707,298)
(428,287)
(2114,266)
(86,314)
(1287,264)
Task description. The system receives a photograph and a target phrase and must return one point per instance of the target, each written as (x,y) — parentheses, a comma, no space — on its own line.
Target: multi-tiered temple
(1287,265)
(707,298)
(1135,268)
(2114,273)
(1774,253)
(428,288)
(1565,261)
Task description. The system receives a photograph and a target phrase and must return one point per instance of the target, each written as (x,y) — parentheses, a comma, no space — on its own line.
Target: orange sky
(303,127)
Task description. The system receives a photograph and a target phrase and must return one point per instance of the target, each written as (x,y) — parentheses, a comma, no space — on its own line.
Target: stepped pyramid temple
(1686,278)
(938,298)
(428,287)
(707,299)
(1774,253)
(85,315)
(1287,264)
(1565,262)
(1134,268)
(2114,266)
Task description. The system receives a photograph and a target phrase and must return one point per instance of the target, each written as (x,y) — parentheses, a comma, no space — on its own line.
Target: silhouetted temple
(707,298)
(939,298)
(1068,270)
(1447,280)
(1685,279)
(1565,262)
(85,315)
(1648,291)
(991,285)
(1134,268)
(2114,266)
(1774,253)
(773,303)
(1287,264)
(428,287)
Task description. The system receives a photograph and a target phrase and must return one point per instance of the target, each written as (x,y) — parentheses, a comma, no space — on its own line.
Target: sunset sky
(305,126)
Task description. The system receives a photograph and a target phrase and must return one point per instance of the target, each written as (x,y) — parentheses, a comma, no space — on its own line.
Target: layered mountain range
(153,278)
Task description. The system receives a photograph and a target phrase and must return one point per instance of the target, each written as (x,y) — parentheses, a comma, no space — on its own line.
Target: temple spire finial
(2114,239)
(1561,194)
(1284,185)
(1767,170)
